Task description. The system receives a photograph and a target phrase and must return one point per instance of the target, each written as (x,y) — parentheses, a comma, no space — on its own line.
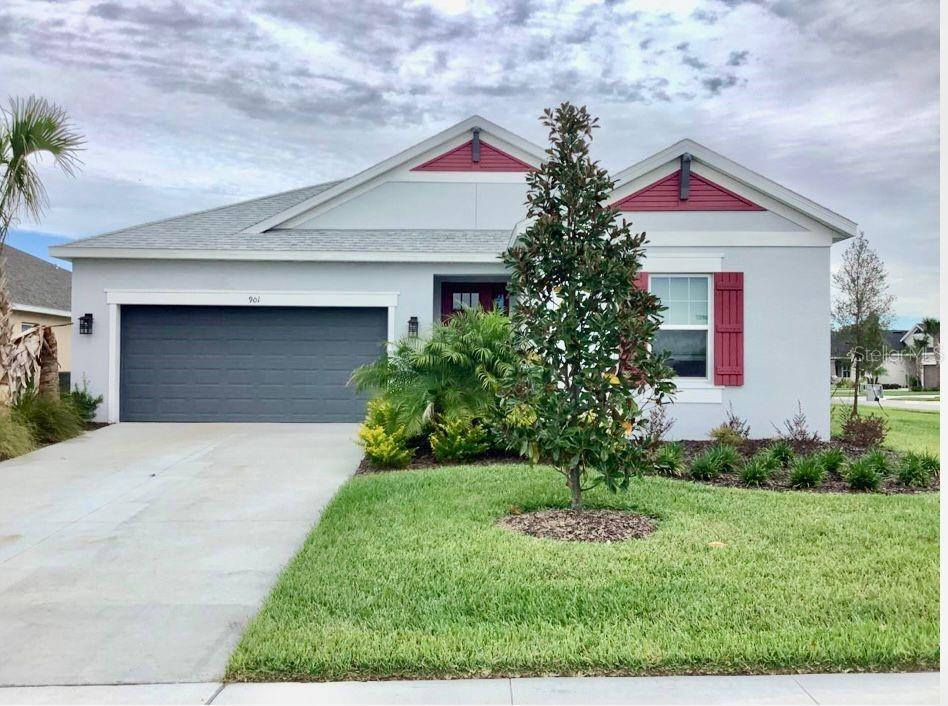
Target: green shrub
(713,462)
(385,449)
(862,431)
(727,436)
(15,438)
(458,439)
(455,372)
(49,419)
(381,413)
(832,460)
(916,470)
(668,459)
(807,472)
(727,456)
(781,452)
(83,401)
(879,462)
(863,474)
(757,470)
(705,466)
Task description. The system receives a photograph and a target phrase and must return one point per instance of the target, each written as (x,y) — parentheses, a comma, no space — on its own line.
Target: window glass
(685,298)
(465,300)
(688,351)
(27,327)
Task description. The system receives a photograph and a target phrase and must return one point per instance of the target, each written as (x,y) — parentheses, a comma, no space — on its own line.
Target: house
(40,293)
(259,311)
(897,360)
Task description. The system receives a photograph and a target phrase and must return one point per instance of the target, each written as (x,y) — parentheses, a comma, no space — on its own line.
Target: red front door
(457,296)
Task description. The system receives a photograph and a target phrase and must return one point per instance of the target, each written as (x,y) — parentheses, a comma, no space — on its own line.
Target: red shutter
(641,280)
(729,328)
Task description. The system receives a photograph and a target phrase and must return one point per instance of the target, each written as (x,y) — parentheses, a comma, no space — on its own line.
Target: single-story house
(259,311)
(40,293)
(898,361)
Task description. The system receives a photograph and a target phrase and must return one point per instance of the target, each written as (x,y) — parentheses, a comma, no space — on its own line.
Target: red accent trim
(461,159)
(704,195)
(641,280)
(729,328)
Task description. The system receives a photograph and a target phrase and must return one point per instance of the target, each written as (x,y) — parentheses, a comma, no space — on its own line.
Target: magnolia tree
(588,379)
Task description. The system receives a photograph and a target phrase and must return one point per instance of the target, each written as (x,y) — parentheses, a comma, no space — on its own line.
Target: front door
(457,296)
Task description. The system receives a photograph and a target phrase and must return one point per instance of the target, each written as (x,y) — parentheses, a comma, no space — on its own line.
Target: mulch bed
(584,526)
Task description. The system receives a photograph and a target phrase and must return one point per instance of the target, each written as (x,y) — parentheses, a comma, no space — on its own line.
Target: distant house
(899,365)
(40,293)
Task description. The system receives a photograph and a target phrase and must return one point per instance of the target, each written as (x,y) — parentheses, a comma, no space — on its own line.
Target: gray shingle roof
(221,229)
(839,348)
(35,282)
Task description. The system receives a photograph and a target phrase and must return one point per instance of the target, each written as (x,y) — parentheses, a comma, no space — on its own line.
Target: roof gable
(704,195)
(461,159)
(841,227)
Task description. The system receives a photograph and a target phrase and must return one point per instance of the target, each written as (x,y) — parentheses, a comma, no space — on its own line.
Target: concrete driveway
(138,552)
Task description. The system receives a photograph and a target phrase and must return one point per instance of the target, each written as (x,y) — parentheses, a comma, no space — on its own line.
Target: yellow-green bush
(15,438)
(458,439)
(383,448)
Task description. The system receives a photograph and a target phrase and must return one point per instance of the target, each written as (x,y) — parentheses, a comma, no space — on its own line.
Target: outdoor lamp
(85,323)
(413,327)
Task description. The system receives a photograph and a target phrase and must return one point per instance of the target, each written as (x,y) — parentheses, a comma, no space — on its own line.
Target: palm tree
(29,129)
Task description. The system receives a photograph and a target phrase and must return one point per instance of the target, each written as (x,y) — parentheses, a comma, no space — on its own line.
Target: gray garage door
(241,364)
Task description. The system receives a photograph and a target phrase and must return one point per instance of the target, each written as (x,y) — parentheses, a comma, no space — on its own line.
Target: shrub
(384,449)
(781,452)
(706,466)
(49,419)
(458,439)
(727,457)
(916,470)
(807,472)
(879,462)
(455,372)
(862,474)
(667,461)
(727,436)
(862,431)
(832,460)
(83,401)
(381,413)
(658,425)
(15,438)
(756,470)
(796,429)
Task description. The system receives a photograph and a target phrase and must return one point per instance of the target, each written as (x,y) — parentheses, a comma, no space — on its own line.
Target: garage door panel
(183,363)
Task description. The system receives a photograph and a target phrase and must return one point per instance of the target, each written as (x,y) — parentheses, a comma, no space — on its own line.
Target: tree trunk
(856,388)
(49,365)
(575,489)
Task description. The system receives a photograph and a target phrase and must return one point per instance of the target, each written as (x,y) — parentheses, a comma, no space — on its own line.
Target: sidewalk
(917,688)
(916,405)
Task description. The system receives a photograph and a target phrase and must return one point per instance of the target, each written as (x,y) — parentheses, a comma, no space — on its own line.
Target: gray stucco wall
(786,342)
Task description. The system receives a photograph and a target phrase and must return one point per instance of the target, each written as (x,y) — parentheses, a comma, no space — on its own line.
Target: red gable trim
(704,195)
(461,159)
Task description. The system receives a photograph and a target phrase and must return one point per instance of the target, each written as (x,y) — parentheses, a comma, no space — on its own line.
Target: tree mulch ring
(582,526)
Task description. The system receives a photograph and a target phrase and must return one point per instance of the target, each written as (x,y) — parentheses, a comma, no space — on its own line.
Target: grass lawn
(407,576)
(908,430)
(928,395)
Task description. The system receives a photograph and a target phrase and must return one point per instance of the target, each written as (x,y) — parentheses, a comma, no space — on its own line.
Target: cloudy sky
(187,105)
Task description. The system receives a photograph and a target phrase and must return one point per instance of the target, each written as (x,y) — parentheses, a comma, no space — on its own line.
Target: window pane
(688,351)
(699,313)
(679,289)
(699,289)
(660,287)
(676,312)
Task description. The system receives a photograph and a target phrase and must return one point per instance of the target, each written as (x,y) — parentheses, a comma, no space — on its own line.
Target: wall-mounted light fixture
(85,323)
(413,327)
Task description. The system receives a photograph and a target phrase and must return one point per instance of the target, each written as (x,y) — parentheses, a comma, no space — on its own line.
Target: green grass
(908,430)
(406,575)
(929,395)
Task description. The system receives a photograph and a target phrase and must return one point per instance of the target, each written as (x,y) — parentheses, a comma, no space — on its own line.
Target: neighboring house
(40,293)
(260,310)
(898,361)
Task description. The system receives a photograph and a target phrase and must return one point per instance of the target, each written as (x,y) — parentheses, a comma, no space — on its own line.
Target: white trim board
(41,310)
(68,253)
(222,297)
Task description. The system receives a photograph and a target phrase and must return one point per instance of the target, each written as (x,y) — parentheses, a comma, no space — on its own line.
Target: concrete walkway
(137,553)
(920,688)
(916,405)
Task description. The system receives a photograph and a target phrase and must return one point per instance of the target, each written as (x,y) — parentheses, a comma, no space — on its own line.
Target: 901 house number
(254,299)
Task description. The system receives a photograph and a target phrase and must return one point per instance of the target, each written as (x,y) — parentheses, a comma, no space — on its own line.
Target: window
(684,331)
(458,296)
(26,327)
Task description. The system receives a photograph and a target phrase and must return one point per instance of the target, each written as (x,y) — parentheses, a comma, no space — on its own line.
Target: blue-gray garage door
(245,364)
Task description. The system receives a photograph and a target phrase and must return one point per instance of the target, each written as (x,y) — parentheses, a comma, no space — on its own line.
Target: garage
(245,364)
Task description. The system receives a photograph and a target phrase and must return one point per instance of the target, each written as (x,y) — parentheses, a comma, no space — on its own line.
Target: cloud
(193,103)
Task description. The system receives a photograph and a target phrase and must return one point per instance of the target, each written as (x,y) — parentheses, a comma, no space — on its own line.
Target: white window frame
(685,382)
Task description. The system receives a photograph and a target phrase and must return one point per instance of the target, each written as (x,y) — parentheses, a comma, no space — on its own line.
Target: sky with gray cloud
(187,105)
